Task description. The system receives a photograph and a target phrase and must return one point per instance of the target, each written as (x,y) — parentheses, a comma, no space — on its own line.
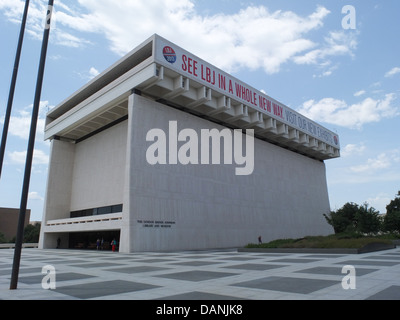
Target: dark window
(104,210)
(88,212)
(97,211)
(116,209)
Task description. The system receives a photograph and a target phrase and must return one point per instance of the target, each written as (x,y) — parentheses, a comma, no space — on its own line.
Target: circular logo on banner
(169,54)
(336,140)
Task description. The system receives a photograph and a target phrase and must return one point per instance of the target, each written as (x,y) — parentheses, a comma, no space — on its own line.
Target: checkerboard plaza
(100,185)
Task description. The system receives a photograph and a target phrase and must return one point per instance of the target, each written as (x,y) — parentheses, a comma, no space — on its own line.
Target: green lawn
(332,241)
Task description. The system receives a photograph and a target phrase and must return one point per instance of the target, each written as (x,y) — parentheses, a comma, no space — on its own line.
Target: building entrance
(88,240)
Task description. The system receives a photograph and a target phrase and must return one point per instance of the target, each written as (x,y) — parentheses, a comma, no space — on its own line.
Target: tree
(31,233)
(343,219)
(368,219)
(2,238)
(393,206)
(391,222)
(354,218)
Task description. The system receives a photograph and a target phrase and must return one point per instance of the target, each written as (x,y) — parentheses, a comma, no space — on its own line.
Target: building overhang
(103,222)
(164,72)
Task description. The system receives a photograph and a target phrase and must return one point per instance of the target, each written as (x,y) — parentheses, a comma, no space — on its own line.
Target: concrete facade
(98,162)
(209,205)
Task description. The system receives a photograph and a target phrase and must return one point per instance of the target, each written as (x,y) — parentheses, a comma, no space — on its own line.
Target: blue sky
(296,51)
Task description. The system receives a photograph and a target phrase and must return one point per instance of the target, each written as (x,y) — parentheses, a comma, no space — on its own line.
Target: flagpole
(12,86)
(29,154)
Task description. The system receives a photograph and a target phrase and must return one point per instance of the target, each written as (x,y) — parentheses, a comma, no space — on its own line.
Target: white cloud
(360,93)
(88,75)
(60,34)
(35,196)
(93,72)
(382,161)
(336,44)
(39,157)
(352,149)
(68,40)
(380,201)
(13,9)
(253,38)
(20,127)
(20,124)
(392,72)
(326,69)
(338,112)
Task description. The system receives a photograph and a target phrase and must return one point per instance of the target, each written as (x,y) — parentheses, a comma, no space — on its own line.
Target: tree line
(31,234)
(363,219)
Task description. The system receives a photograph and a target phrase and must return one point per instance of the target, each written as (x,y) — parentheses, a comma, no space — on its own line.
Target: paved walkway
(205,275)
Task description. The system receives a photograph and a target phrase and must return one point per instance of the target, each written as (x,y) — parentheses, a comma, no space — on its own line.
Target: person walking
(113,245)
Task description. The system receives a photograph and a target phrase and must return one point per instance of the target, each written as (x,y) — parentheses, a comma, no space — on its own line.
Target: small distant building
(9,221)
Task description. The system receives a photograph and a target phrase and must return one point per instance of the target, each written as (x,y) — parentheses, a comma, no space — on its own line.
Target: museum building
(150,153)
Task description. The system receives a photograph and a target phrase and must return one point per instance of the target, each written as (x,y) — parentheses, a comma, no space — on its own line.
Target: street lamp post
(12,86)
(29,154)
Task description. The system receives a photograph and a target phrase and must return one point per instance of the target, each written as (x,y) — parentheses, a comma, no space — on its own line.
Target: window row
(97,211)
